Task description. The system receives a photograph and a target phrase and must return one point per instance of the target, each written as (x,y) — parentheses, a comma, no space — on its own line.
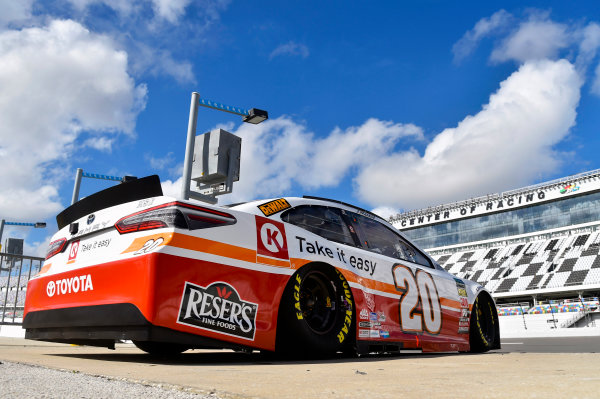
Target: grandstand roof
(554,190)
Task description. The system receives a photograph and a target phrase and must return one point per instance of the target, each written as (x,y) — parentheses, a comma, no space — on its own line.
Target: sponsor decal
(275,206)
(364,314)
(363,333)
(145,202)
(73,251)
(463,330)
(385,334)
(93,227)
(345,331)
(369,324)
(219,308)
(370,299)
(69,285)
(374,333)
(91,219)
(270,238)
(373,316)
(317,248)
(569,188)
(95,245)
(464,313)
(149,246)
(461,287)
(464,303)
(381,317)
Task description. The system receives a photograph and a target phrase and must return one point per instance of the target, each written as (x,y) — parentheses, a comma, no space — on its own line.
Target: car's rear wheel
(484,325)
(316,315)
(160,348)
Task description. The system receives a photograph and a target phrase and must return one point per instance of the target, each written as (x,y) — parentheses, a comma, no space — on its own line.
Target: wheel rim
(317,301)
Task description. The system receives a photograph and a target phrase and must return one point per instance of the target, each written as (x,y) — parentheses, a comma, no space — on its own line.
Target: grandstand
(537,247)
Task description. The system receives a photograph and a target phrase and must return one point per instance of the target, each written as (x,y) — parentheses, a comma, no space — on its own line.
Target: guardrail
(15,272)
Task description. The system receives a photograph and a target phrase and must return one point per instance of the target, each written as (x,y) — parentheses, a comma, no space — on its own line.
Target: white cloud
(290,48)
(483,28)
(172,188)
(279,154)
(160,63)
(57,82)
(100,143)
(160,163)
(507,144)
(538,38)
(385,211)
(596,83)
(171,10)
(14,11)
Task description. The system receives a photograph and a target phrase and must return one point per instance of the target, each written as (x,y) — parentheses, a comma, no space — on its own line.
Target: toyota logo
(51,289)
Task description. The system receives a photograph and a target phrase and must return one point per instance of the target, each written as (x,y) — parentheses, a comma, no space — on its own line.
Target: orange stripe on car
(272,262)
(213,247)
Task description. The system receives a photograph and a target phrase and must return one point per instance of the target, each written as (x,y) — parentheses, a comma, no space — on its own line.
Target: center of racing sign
(270,238)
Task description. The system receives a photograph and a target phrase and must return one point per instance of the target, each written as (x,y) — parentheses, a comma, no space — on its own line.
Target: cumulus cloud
(483,28)
(280,154)
(14,11)
(291,49)
(57,82)
(507,144)
(171,10)
(535,39)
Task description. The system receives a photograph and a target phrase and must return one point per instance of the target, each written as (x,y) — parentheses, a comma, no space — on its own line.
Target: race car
(288,275)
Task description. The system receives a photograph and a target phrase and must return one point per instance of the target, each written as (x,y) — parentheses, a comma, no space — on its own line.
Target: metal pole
(78,175)
(189,147)
(1,231)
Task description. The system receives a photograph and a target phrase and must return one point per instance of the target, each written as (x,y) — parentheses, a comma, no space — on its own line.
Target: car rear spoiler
(133,190)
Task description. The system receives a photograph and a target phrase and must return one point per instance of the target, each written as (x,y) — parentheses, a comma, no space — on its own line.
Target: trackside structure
(536,249)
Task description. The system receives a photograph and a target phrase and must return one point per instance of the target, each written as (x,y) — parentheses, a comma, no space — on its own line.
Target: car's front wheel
(316,315)
(484,325)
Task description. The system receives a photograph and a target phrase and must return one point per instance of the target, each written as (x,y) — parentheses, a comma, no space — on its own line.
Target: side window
(321,220)
(379,238)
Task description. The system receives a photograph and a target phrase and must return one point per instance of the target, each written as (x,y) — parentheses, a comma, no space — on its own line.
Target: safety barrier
(15,272)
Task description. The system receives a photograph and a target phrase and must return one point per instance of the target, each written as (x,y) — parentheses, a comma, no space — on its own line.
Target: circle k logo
(51,289)
(74,250)
(271,237)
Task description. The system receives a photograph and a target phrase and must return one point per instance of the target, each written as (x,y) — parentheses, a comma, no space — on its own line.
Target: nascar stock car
(291,275)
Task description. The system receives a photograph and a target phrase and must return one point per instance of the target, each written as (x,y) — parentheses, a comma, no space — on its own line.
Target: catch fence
(15,272)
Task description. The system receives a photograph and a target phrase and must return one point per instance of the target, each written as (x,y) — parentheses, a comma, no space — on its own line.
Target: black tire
(316,314)
(484,332)
(160,348)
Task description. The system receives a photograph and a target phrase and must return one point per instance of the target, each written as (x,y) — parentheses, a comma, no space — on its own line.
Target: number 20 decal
(420,308)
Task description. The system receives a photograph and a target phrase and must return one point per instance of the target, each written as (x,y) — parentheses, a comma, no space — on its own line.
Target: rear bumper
(103,325)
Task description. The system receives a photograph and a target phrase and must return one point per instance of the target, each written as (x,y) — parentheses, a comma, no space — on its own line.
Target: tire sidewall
(294,333)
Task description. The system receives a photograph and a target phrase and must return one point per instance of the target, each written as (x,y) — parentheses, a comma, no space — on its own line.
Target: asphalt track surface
(523,368)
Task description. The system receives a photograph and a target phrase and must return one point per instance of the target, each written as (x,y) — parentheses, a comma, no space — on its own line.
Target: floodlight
(256,116)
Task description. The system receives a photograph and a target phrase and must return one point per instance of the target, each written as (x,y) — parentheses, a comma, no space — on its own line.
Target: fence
(15,272)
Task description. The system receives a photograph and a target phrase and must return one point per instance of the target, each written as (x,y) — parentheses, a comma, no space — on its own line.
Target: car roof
(253,206)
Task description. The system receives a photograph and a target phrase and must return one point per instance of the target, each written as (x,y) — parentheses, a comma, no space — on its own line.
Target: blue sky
(388,105)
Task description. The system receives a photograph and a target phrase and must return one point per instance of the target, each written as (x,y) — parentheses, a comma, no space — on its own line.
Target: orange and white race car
(292,275)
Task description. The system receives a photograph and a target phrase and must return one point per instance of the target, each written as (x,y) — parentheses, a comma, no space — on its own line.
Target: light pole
(252,115)
(38,225)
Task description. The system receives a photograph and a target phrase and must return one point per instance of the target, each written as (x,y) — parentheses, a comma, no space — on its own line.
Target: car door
(432,304)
